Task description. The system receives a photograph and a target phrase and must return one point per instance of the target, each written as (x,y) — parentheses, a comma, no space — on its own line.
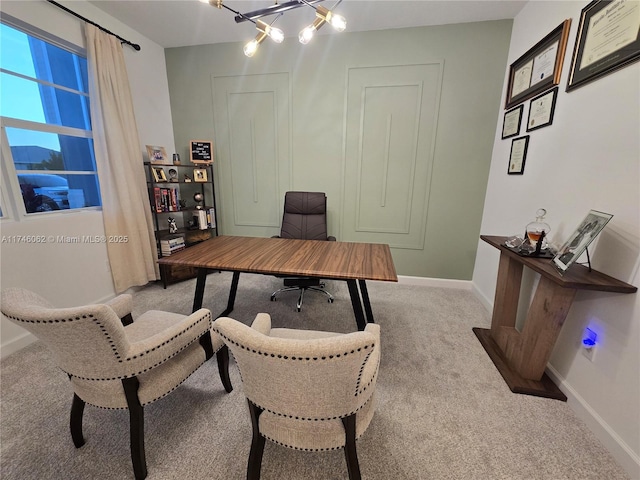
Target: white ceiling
(178,23)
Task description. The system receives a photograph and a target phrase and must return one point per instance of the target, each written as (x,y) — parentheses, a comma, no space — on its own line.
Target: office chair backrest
(305,216)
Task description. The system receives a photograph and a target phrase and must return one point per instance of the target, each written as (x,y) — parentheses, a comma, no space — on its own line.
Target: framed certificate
(511,122)
(608,39)
(518,155)
(540,68)
(541,110)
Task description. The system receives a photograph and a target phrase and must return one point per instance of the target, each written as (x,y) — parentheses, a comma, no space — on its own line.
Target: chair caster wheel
(331,300)
(298,310)
(273,298)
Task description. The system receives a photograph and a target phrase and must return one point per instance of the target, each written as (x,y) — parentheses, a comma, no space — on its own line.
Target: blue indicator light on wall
(589,338)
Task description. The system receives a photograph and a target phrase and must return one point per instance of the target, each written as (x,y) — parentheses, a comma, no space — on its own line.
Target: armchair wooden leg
(350,453)
(75,423)
(223,367)
(257,444)
(136,432)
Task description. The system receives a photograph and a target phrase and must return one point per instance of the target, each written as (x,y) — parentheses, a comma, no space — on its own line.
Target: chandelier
(323,15)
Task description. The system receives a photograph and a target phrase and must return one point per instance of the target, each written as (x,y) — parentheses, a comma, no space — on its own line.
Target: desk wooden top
(577,276)
(283,256)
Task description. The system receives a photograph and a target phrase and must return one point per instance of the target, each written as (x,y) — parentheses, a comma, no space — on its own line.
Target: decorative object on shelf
(157,155)
(518,155)
(579,240)
(187,178)
(610,46)
(533,243)
(173,175)
(540,68)
(200,175)
(173,228)
(176,159)
(183,204)
(158,174)
(198,197)
(323,15)
(511,122)
(201,152)
(541,110)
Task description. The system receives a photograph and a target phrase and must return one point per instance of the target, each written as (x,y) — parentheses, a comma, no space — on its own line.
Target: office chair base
(302,290)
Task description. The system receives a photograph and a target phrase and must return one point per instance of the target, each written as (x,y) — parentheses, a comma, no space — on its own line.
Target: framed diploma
(608,39)
(540,68)
(511,122)
(541,110)
(518,155)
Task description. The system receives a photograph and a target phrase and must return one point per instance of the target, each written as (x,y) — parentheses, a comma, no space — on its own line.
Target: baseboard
(15,344)
(436,282)
(622,453)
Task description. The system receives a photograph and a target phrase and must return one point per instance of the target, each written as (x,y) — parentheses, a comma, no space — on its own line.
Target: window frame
(11,199)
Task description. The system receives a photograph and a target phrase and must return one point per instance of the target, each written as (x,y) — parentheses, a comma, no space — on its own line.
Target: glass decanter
(538,230)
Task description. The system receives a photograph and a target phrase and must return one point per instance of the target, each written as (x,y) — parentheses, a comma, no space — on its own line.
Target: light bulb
(306,34)
(250,48)
(276,34)
(338,22)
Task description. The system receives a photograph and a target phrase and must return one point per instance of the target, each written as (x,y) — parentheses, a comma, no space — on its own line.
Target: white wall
(73,274)
(588,159)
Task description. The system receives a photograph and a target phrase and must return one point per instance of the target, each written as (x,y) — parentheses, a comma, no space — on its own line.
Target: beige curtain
(127,217)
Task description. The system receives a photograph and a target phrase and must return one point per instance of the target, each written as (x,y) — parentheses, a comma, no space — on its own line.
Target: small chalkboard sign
(201,151)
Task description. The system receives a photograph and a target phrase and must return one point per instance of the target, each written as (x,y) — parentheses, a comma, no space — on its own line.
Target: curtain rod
(134,45)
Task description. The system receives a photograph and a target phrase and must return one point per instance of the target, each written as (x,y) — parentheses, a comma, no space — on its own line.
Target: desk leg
(365,301)
(356,303)
(200,283)
(232,294)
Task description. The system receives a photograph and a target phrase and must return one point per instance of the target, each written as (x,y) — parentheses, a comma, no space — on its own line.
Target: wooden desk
(521,357)
(352,262)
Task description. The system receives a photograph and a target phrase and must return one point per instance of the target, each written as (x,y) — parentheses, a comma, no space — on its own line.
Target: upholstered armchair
(114,362)
(304,218)
(306,390)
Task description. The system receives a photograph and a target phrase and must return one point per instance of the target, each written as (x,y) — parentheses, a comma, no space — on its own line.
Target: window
(46,125)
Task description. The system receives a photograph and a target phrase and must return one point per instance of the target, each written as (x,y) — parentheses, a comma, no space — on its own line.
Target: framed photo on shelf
(541,110)
(518,155)
(200,175)
(607,40)
(539,68)
(157,155)
(158,174)
(511,122)
(579,240)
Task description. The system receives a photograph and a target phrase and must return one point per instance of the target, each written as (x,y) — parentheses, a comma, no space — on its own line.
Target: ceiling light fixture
(323,15)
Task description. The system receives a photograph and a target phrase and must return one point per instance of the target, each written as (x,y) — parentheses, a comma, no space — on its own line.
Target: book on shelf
(167,199)
(172,245)
(211,218)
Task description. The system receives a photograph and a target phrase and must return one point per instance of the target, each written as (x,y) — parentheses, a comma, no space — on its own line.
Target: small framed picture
(158,174)
(579,240)
(511,122)
(199,174)
(518,155)
(157,155)
(541,110)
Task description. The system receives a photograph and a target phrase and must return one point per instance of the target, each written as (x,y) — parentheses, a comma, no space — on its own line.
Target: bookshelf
(183,204)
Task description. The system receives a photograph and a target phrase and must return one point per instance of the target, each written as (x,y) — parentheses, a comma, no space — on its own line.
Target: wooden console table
(521,357)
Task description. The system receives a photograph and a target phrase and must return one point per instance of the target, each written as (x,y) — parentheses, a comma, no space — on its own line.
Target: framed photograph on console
(540,68)
(608,39)
(579,240)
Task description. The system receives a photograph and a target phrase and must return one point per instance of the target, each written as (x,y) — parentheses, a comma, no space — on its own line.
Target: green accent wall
(445,142)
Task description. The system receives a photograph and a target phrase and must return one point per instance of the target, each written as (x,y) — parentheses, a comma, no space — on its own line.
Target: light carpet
(443,411)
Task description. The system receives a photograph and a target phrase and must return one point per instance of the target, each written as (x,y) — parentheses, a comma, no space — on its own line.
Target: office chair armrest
(122,305)
(331,238)
(155,342)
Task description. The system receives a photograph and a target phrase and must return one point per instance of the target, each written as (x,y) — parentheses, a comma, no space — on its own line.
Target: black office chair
(305,218)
